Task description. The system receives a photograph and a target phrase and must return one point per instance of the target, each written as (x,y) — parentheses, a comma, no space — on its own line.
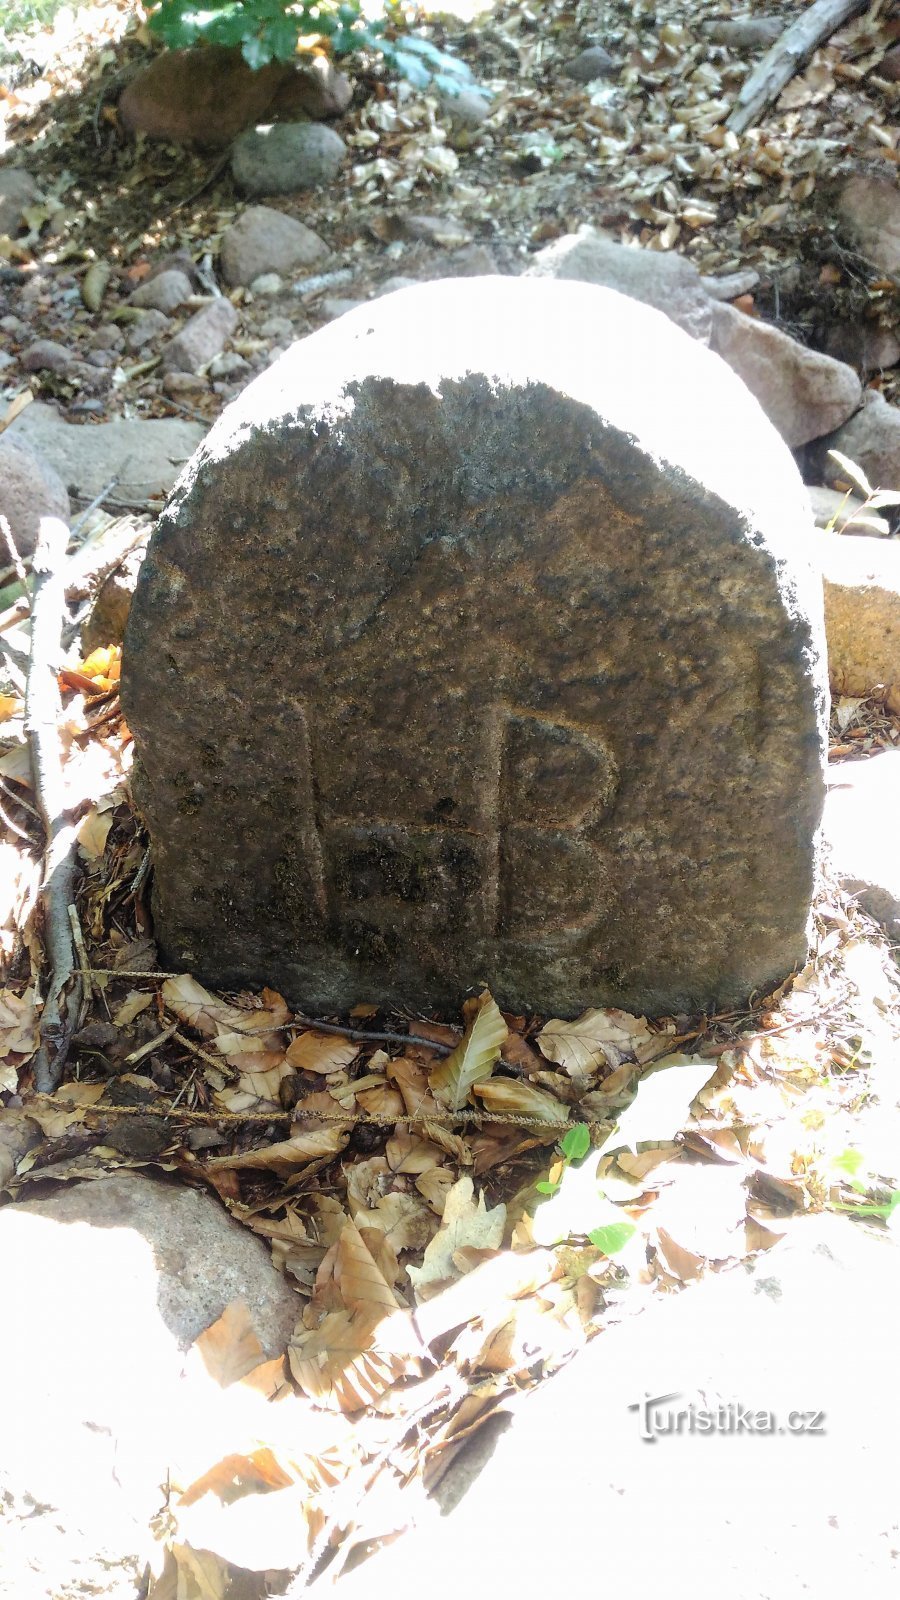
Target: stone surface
(845,513)
(201,338)
(263,240)
(287,157)
(29,489)
(549,705)
(667,281)
(870,439)
(862,611)
(105,623)
(783,1514)
(209,95)
(862,820)
(864,345)
(17,191)
(165,292)
(869,209)
(145,456)
(803,393)
(746,33)
(149,327)
(45,355)
(595,62)
(112,1280)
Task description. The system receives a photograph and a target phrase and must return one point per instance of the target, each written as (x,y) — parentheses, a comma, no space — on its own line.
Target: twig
(98,500)
(15,558)
(786,56)
(42,711)
(366,1036)
(81,947)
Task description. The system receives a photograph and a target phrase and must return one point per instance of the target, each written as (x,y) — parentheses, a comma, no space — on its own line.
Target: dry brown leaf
(412,1081)
(474,1057)
(321,1052)
(18,1022)
(362,1285)
(513,1098)
(435,1185)
(200,1010)
(286,1156)
(230,1348)
(407,1152)
(595,1039)
(382,1102)
(466,1221)
(346,1363)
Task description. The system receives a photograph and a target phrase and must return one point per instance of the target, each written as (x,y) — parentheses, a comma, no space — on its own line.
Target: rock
(209,95)
(398,281)
(846,513)
(165,292)
(18,191)
(595,62)
(277,328)
(669,282)
(105,623)
(145,456)
(262,241)
(201,338)
(47,356)
(467,110)
(862,611)
(711,1352)
(29,490)
(184,383)
(472,261)
(862,809)
(553,668)
(871,439)
(869,210)
(267,283)
(150,326)
(731,284)
(890,66)
(6,360)
(746,33)
(333,306)
(803,393)
(287,157)
(229,365)
(864,345)
(445,232)
(107,337)
(113,1279)
(317,91)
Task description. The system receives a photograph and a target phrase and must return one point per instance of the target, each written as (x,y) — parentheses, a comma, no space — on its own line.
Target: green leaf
(543,1186)
(474,1057)
(613,1238)
(576,1143)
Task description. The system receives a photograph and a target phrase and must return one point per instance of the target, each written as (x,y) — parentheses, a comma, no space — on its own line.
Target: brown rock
(548,704)
(862,611)
(665,280)
(208,95)
(264,240)
(869,210)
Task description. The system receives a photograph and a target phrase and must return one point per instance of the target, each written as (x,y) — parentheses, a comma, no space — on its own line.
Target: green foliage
(269,30)
(851,1166)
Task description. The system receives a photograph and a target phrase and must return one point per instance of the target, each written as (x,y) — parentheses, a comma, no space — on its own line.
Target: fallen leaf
(594,1040)
(320,1052)
(465,1222)
(512,1098)
(474,1057)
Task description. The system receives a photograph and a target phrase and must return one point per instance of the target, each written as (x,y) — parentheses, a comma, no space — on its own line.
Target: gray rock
(149,328)
(554,667)
(871,439)
(815,1513)
(287,157)
(804,394)
(107,337)
(467,110)
(869,211)
(165,292)
(595,62)
(862,612)
(472,261)
(230,365)
(45,355)
(29,490)
(731,284)
(669,282)
(864,345)
(746,33)
(126,1272)
(6,360)
(263,240)
(201,338)
(267,283)
(862,816)
(333,306)
(18,190)
(145,456)
(845,513)
(277,328)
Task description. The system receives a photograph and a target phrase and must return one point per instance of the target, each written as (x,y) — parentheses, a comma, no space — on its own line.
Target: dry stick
(42,711)
(786,56)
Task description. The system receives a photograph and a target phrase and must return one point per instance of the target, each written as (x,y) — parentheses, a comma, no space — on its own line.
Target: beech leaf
(474,1058)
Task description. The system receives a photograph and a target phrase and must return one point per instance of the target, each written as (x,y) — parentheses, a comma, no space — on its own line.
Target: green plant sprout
(574,1146)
